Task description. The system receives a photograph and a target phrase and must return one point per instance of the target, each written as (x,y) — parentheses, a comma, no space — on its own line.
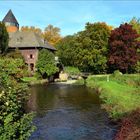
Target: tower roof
(10,18)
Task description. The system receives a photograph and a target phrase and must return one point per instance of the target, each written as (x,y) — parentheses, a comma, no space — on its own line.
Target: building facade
(27,42)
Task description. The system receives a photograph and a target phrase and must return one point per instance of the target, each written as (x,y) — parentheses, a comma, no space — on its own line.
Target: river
(69,112)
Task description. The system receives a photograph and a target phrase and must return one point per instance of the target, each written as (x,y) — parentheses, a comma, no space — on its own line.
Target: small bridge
(85,75)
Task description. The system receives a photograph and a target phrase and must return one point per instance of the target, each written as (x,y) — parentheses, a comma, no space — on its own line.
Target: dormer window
(19,40)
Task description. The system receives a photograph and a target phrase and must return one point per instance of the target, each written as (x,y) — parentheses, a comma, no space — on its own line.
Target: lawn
(29,79)
(120,95)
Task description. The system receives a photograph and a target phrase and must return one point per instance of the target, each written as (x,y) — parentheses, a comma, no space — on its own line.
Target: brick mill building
(27,42)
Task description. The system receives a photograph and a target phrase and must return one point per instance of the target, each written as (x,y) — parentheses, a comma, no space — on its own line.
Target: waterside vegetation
(120,95)
(15,123)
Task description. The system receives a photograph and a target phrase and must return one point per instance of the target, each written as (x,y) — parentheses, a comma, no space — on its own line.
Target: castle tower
(11,22)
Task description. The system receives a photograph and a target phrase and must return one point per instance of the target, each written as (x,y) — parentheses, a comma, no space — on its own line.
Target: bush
(137,67)
(14,54)
(117,73)
(72,70)
(14,122)
(130,127)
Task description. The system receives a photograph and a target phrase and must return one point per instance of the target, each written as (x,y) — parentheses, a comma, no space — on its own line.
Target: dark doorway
(32,67)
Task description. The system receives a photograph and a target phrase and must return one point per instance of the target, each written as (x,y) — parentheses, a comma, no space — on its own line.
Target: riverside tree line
(101,49)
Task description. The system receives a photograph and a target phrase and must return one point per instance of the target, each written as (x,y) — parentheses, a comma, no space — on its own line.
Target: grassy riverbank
(34,80)
(120,94)
(121,99)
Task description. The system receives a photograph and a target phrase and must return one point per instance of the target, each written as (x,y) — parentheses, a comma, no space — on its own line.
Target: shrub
(117,73)
(14,54)
(14,122)
(72,70)
(137,67)
(130,127)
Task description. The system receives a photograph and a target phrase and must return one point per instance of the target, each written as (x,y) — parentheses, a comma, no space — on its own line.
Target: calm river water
(68,112)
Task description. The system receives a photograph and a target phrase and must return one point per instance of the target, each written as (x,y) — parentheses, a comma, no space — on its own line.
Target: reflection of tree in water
(79,97)
(31,104)
(44,98)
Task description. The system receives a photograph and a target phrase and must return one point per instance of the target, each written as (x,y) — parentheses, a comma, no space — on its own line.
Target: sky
(69,15)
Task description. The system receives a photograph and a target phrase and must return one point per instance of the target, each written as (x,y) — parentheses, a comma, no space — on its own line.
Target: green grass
(29,79)
(120,95)
(34,80)
(80,82)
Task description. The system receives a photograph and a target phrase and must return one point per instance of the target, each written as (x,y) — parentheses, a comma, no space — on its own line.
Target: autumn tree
(123,48)
(4,38)
(52,34)
(33,29)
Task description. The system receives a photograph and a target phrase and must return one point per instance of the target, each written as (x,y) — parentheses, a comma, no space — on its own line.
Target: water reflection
(66,112)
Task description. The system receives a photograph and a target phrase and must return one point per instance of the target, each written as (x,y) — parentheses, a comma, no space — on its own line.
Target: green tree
(66,50)
(136,26)
(87,49)
(46,63)
(93,47)
(4,38)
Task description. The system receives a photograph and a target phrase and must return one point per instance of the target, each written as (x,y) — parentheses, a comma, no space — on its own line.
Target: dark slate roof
(10,18)
(27,39)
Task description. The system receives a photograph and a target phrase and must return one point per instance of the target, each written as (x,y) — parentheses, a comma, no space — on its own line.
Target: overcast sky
(70,16)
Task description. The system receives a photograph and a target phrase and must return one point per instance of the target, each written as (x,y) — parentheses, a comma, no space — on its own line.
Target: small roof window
(19,40)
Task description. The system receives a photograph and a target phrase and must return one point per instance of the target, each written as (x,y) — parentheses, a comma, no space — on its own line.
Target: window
(31,56)
(11,24)
(19,39)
